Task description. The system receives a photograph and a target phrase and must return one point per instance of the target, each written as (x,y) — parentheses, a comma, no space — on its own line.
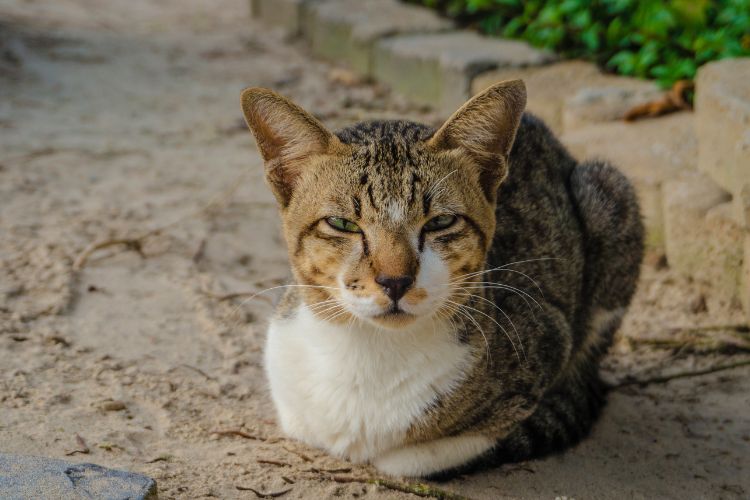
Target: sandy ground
(117,118)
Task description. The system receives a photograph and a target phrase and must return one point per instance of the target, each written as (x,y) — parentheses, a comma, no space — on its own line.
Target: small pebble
(112,406)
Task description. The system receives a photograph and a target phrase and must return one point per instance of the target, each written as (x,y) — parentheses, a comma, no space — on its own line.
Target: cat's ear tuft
(287,136)
(484,128)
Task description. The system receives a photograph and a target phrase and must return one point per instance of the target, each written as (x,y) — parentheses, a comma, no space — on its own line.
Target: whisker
(506,265)
(518,336)
(431,191)
(291,285)
(460,309)
(507,335)
(501,286)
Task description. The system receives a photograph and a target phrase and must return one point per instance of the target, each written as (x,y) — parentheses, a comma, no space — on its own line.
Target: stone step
(547,87)
(722,106)
(437,69)
(703,240)
(345,31)
(289,15)
(573,94)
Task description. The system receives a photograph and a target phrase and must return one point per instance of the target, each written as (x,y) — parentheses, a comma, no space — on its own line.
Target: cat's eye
(343,225)
(440,222)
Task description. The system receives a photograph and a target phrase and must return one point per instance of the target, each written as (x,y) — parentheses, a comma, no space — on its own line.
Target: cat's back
(537,224)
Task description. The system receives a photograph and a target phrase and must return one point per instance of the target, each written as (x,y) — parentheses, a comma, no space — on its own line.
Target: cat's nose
(395,287)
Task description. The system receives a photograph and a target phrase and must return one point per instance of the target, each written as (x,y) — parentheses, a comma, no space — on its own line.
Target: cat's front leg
(432,457)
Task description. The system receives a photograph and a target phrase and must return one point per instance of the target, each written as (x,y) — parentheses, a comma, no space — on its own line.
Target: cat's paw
(433,456)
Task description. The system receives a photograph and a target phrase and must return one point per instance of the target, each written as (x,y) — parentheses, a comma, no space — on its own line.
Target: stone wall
(691,169)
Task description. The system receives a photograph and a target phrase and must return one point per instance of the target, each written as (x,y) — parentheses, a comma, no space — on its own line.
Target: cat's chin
(394,320)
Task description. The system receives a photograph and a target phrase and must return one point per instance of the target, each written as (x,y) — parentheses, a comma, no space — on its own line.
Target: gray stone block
(722,106)
(649,153)
(437,69)
(289,15)
(606,99)
(702,239)
(346,30)
(26,477)
(547,87)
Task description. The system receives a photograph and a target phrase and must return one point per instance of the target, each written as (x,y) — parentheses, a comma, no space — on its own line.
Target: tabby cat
(454,289)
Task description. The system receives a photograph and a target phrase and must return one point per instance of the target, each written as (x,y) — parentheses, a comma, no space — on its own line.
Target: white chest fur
(355,391)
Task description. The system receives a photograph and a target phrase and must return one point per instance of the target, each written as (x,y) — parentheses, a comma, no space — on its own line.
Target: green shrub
(661,40)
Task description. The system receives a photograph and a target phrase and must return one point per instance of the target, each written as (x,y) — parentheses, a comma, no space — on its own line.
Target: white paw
(433,456)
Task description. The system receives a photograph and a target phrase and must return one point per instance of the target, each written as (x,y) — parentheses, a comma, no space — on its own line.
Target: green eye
(343,225)
(440,222)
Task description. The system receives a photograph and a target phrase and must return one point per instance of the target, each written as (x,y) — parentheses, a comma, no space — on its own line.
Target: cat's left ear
(288,138)
(484,129)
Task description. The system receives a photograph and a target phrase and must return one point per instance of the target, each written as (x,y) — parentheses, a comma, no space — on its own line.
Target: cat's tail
(564,416)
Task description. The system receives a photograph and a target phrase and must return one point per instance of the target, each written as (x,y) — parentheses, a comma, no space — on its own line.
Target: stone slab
(547,87)
(649,152)
(573,94)
(606,99)
(346,30)
(437,69)
(289,15)
(27,477)
(722,106)
(703,240)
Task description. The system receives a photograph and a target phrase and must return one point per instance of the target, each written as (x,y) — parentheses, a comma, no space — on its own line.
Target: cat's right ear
(287,136)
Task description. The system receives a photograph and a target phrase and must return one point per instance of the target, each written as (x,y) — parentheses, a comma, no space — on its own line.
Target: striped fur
(492,353)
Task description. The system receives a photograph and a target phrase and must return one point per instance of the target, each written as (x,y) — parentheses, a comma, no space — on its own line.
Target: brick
(289,15)
(703,240)
(606,99)
(649,153)
(722,106)
(437,69)
(547,87)
(573,94)
(346,30)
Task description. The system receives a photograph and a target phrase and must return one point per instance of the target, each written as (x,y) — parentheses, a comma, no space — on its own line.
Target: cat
(454,289)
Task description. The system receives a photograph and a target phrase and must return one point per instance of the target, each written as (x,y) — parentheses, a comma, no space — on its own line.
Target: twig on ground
(82,447)
(685,374)
(723,339)
(161,458)
(237,432)
(273,462)
(287,480)
(136,243)
(299,454)
(236,295)
(738,328)
(674,100)
(260,494)
(418,489)
(200,252)
(341,470)
(193,368)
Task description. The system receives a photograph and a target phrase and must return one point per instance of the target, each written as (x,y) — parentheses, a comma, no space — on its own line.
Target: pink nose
(395,287)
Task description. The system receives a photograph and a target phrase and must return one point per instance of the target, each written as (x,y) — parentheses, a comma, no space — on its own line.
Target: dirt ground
(119,118)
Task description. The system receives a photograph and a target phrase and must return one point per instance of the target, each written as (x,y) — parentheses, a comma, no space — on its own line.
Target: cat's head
(384,220)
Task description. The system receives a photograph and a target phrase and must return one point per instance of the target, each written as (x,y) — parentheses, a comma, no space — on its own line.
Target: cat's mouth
(394,317)
(394,311)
